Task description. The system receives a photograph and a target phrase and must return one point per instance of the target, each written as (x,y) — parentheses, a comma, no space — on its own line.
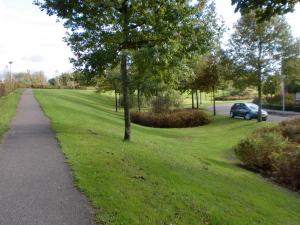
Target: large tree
(105,33)
(257,49)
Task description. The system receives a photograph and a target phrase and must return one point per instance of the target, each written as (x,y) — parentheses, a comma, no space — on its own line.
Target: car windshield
(252,106)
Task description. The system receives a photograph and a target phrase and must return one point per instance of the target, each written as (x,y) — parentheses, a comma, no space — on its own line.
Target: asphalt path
(36,187)
(224,109)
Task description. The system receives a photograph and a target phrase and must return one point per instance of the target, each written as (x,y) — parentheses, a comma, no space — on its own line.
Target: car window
(243,106)
(236,105)
(252,106)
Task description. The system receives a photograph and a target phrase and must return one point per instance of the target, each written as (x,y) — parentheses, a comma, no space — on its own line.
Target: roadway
(274,116)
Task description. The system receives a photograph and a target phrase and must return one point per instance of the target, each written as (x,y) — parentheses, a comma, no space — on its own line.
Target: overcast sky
(33,40)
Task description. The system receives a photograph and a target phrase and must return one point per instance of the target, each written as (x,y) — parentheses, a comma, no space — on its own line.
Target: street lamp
(283,78)
(10,62)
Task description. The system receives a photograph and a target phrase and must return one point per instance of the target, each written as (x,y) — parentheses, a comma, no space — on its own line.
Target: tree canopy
(103,34)
(265,9)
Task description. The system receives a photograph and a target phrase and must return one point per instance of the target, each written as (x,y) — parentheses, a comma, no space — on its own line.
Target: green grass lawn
(164,176)
(8,106)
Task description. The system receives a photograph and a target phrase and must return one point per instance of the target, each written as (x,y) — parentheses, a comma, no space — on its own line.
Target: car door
(243,110)
(236,108)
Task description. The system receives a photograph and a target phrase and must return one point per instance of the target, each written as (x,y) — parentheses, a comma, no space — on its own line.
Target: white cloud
(226,11)
(31,39)
(36,58)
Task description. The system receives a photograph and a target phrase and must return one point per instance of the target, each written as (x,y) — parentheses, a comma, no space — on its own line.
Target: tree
(271,85)
(28,79)
(208,76)
(52,82)
(111,81)
(292,72)
(105,33)
(256,49)
(265,9)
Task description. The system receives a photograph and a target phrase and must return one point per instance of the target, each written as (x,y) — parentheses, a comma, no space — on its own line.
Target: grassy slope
(164,176)
(8,106)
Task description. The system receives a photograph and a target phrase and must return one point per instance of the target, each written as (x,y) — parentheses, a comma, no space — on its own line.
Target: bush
(286,167)
(7,87)
(256,150)
(291,129)
(171,119)
(277,99)
(274,152)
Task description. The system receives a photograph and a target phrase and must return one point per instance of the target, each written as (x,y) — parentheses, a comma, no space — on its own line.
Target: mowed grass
(8,107)
(164,176)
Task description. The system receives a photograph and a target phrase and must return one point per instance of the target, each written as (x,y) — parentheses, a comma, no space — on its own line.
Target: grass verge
(8,107)
(164,176)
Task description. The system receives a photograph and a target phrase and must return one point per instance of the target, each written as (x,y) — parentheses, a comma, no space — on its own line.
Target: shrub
(276,99)
(256,150)
(286,166)
(291,129)
(274,152)
(171,119)
(7,87)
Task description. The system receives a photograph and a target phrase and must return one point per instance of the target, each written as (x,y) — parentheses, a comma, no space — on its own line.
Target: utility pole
(10,62)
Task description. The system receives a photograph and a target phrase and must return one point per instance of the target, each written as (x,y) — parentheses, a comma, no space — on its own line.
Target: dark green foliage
(271,85)
(291,72)
(171,119)
(264,9)
(274,152)
(52,82)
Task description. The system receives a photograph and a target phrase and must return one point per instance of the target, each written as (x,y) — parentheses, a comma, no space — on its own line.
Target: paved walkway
(35,183)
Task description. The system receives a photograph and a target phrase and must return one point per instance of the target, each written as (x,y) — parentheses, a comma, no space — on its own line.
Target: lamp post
(10,62)
(283,77)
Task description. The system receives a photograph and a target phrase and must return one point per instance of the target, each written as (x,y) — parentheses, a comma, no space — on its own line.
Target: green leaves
(265,9)
(98,31)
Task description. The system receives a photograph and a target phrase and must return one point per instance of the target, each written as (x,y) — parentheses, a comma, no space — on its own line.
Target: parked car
(247,110)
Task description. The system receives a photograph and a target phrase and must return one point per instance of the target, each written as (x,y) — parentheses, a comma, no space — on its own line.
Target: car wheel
(231,115)
(247,117)
(264,118)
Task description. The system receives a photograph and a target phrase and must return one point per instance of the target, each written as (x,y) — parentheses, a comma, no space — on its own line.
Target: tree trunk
(259,119)
(119,100)
(200,98)
(125,83)
(197,97)
(214,99)
(116,100)
(259,79)
(124,71)
(193,105)
(139,98)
